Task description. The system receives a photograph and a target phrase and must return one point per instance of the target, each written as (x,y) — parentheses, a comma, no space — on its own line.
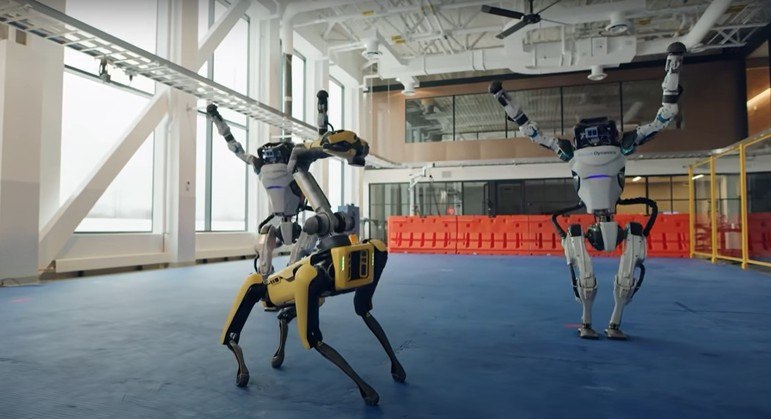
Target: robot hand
(346,145)
(671,85)
(213,114)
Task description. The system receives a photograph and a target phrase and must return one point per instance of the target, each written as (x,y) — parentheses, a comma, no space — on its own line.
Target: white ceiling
(419,33)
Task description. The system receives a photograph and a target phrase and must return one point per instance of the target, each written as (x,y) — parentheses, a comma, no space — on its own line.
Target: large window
(556,110)
(95,115)
(220,175)
(385,200)
(298,86)
(118,19)
(299,95)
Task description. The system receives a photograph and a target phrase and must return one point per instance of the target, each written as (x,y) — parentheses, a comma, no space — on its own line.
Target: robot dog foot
(242,376)
(370,396)
(613,332)
(586,332)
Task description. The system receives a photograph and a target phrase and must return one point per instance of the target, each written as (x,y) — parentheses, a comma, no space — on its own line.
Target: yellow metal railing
(722,230)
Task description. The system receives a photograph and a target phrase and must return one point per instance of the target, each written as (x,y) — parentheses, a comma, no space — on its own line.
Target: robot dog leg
(252,291)
(362,302)
(284,317)
(584,282)
(311,283)
(625,285)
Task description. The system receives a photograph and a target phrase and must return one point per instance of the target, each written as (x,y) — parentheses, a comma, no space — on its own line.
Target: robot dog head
(595,132)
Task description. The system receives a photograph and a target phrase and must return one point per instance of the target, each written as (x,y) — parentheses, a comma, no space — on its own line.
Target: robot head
(272,153)
(595,132)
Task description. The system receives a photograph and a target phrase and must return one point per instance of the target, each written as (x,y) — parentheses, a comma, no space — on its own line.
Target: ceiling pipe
(288,16)
(699,30)
(376,14)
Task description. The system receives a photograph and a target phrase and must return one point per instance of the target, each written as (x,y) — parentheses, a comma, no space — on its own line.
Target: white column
(22,118)
(180,148)
(30,139)
(268,84)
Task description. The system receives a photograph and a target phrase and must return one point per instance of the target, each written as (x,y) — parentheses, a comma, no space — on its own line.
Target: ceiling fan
(526,18)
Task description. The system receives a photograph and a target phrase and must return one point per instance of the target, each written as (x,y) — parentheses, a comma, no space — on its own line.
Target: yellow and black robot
(336,265)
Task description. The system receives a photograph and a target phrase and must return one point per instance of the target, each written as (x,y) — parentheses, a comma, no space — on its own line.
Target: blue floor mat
(479,337)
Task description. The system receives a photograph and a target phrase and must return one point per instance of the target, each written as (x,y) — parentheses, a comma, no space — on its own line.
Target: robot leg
(584,282)
(311,283)
(302,247)
(252,291)
(284,317)
(266,243)
(362,301)
(625,285)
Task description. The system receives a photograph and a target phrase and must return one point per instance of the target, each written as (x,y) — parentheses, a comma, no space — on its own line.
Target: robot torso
(283,192)
(598,166)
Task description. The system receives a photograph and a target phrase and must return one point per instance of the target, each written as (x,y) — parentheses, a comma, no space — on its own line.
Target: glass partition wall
(556,110)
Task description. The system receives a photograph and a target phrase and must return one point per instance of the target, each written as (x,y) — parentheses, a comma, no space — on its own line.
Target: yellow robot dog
(335,266)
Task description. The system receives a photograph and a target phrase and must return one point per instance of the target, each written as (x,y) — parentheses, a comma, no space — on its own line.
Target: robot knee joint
(635,229)
(574,230)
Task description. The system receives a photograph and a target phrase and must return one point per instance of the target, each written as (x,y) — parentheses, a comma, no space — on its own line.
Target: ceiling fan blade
(511,29)
(502,12)
(539,12)
(554,21)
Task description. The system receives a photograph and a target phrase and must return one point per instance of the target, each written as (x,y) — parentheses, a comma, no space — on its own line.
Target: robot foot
(242,376)
(613,332)
(586,332)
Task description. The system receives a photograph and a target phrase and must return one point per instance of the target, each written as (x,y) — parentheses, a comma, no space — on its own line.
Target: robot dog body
(323,261)
(597,162)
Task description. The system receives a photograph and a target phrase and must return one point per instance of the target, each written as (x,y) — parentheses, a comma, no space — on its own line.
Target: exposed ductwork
(694,37)
(566,55)
(288,15)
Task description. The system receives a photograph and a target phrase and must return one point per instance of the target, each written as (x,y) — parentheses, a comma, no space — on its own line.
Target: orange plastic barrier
(528,234)
(434,234)
(504,235)
(544,239)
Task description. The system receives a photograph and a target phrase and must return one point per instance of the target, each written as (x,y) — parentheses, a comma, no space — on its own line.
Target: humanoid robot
(597,161)
(323,262)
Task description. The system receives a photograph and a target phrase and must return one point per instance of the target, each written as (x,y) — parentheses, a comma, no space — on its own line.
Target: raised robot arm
(343,144)
(224,130)
(514,113)
(668,110)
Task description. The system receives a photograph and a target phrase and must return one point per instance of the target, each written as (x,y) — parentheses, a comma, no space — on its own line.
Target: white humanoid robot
(597,162)
(274,166)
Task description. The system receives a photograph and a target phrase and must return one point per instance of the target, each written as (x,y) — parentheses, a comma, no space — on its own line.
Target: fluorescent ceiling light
(697,177)
(636,178)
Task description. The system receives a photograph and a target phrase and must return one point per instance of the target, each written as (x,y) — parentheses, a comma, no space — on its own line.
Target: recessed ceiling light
(597,74)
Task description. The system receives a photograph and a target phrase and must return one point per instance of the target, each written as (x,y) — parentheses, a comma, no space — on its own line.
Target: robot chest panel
(599,174)
(277,181)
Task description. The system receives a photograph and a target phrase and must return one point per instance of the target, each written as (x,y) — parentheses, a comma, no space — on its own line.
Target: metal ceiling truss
(38,19)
